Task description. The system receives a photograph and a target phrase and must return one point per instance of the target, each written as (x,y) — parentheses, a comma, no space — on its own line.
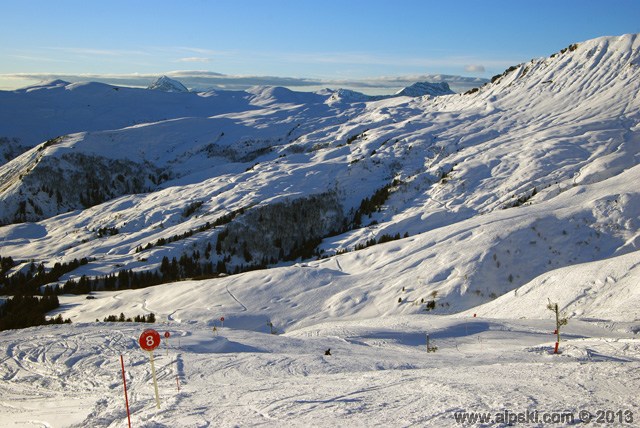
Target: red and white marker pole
(167,335)
(150,340)
(126,397)
(221,322)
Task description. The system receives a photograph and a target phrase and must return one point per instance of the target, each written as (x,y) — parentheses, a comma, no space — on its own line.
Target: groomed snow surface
(378,374)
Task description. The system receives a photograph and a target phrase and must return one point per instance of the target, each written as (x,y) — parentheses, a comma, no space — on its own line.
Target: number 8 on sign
(149,340)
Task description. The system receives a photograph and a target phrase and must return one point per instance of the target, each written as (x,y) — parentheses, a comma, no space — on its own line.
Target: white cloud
(194,59)
(199,51)
(100,52)
(474,68)
(387,60)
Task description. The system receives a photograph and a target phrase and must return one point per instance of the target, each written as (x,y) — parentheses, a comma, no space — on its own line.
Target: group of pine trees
(150,318)
(381,240)
(370,205)
(30,280)
(22,311)
(28,305)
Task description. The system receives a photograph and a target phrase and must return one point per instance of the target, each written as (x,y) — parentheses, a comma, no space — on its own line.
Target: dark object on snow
(327,352)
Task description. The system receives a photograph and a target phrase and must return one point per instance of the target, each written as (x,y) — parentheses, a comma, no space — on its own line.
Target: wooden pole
(557,324)
(155,381)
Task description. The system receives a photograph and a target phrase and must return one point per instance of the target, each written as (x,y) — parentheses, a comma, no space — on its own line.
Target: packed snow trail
(379,373)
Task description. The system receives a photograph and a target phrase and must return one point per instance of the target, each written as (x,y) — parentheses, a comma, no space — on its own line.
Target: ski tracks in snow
(244,308)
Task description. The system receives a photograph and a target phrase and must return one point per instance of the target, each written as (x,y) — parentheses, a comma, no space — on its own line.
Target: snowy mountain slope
(39,113)
(601,290)
(517,193)
(48,110)
(172,149)
(465,264)
(553,138)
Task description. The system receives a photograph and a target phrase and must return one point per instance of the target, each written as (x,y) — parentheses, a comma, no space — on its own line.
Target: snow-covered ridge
(418,89)
(52,84)
(55,108)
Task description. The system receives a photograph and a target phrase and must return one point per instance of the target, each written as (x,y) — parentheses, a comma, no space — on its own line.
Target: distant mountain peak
(167,84)
(48,84)
(56,82)
(350,96)
(419,89)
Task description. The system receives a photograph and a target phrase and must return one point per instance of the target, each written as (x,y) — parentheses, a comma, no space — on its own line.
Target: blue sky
(315,43)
